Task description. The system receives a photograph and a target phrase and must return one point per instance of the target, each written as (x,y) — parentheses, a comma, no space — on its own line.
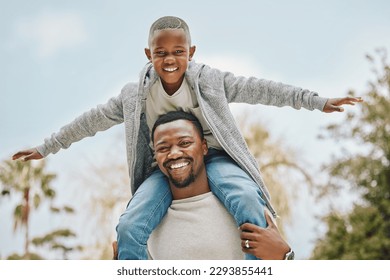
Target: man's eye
(185,143)
(162,149)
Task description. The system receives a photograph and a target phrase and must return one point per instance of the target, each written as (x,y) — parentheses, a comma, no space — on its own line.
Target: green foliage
(29,256)
(32,183)
(364,233)
(52,237)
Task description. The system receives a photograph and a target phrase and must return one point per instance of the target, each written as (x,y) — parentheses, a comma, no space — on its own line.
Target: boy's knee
(253,195)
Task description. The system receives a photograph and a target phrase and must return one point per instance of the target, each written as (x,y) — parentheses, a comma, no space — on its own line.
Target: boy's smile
(170,52)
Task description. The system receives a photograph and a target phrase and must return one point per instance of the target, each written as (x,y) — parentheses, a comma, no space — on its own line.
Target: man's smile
(177,164)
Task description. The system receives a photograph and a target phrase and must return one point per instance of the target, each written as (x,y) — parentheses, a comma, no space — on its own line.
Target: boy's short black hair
(178,115)
(169,22)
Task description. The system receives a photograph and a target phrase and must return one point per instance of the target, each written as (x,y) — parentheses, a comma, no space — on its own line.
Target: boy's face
(170,52)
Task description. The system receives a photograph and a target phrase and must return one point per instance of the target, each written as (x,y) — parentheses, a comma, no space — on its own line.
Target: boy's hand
(264,243)
(334,104)
(27,155)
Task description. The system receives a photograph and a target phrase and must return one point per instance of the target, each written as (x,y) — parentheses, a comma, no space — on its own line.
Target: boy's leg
(235,189)
(144,212)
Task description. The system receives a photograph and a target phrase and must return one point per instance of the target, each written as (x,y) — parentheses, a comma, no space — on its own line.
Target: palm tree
(33,184)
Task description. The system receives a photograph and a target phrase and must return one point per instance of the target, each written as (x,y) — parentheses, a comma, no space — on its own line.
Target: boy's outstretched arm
(334,104)
(26,155)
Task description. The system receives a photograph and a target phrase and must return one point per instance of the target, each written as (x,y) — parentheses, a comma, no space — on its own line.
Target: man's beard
(183,183)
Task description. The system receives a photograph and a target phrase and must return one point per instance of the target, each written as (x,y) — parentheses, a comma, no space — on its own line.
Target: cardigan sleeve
(261,91)
(88,124)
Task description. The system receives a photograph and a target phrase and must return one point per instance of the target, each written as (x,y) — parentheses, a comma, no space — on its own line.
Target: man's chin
(183,183)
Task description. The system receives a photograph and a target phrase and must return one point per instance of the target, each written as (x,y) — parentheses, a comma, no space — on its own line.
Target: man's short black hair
(178,115)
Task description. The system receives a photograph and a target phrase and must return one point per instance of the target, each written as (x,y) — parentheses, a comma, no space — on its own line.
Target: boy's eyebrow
(177,46)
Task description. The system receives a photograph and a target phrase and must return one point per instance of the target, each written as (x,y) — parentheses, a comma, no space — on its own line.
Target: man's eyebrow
(160,142)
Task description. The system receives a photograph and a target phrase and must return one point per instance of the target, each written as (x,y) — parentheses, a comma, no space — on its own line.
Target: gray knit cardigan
(214,90)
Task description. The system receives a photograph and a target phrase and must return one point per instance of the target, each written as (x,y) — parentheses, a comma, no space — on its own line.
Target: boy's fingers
(21,153)
(27,155)
(337,108)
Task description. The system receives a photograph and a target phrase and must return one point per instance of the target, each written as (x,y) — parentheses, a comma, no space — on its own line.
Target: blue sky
(60,58)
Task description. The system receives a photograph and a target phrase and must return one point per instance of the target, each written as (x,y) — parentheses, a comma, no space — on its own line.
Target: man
(197,225)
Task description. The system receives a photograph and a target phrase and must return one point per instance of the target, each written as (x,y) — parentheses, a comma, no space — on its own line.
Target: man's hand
(264,243)
(334,104)
(27,155)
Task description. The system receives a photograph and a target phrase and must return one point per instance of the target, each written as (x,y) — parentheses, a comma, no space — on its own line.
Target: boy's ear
(192,51)
(148,54)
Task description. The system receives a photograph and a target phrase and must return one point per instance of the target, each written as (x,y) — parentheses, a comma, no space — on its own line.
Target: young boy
(171,81)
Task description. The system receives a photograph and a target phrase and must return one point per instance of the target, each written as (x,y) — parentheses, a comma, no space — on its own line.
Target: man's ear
(205,147)
(148,54)
(192,52)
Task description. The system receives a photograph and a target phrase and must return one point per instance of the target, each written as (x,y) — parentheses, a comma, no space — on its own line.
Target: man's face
(170,52)
(179,152)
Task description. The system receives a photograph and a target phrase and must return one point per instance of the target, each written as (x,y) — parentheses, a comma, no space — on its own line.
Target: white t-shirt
(196,228)
(158,103)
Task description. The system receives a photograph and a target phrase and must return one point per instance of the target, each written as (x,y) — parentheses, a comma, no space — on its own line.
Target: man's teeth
(178,165)
(170,69)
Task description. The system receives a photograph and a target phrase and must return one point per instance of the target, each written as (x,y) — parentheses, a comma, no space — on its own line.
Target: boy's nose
(169,59)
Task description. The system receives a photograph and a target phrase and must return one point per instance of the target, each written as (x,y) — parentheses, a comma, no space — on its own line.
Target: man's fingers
(247,236)
(248,227)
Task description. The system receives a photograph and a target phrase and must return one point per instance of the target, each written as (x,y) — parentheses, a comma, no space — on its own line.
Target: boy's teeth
(170,69)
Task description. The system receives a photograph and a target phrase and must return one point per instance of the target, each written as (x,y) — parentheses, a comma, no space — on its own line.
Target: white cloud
(52,32)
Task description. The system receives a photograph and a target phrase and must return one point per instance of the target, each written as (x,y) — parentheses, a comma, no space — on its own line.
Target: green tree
(30,181)
(364,233)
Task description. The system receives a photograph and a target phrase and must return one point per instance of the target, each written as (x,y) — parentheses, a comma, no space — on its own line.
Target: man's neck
(200,186)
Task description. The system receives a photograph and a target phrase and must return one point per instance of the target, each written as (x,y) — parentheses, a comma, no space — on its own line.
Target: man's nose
(175,152)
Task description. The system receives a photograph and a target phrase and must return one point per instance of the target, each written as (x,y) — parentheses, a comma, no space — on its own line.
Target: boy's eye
(179,51)
(161,53)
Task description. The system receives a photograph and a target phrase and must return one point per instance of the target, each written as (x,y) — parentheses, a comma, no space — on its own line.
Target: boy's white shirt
(158,103)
